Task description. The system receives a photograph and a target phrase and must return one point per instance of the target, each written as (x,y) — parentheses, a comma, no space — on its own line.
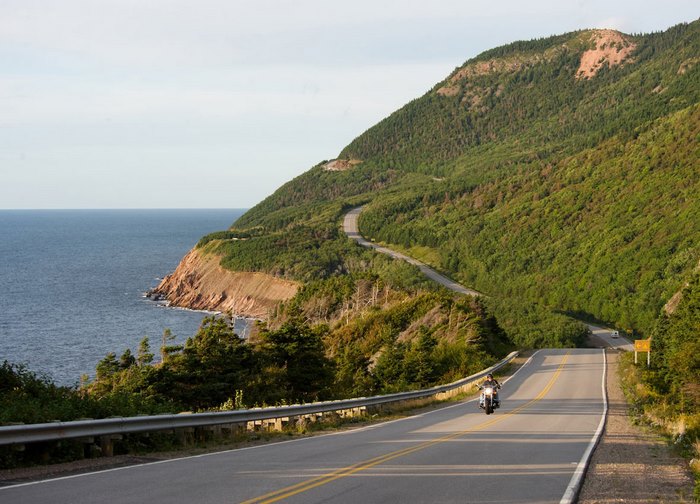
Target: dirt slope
(200,283)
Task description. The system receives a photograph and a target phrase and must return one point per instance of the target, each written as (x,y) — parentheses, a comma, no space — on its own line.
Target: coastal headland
(200,283)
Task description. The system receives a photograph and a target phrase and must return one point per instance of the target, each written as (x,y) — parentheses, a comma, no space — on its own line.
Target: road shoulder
(631,463)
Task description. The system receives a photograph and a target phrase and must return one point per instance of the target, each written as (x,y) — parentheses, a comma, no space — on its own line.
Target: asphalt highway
(526,452)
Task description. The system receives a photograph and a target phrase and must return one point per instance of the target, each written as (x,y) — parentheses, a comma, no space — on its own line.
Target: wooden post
(107,446)
(185,436)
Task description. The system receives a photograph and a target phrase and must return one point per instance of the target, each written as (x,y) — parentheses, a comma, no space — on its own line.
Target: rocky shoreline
(200,283)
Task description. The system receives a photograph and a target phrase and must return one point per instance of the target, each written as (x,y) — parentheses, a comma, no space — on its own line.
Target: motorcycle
(488,401)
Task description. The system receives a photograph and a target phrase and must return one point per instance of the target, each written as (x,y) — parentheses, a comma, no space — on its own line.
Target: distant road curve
(351,229)
(605,336)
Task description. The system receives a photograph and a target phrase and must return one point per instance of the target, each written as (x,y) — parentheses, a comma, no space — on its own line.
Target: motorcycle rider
(493,383)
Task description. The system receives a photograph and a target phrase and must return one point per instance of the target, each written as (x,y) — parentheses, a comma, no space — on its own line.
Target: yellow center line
(303,486)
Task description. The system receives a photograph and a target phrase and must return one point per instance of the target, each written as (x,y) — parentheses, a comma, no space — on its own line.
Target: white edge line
(210,454)
(571,493)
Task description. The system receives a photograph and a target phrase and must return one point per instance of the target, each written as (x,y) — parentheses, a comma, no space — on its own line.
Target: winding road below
(351,229)
(603,334)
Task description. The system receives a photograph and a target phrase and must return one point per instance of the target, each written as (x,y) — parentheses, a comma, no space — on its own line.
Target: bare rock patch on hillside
(611,48)
(341,164)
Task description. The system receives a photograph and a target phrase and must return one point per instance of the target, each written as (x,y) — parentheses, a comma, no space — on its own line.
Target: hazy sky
(216,103)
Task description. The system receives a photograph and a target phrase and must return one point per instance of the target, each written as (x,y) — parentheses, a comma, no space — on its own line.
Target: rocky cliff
(200,283)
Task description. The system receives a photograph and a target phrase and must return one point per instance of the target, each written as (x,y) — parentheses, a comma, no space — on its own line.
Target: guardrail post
(107,445)
(296,423)
(305,421)
(331,417)
(279,424)
(200,434)
(302,422)
(207,432)
(185,436)
(230,431)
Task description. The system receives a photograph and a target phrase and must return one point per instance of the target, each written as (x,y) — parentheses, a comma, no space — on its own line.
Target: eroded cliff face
(200,283)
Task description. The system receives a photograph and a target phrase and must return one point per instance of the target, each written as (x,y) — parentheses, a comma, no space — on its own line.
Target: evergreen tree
(126,360)
(166,349)
(295,355)
(107,366)
(145,356)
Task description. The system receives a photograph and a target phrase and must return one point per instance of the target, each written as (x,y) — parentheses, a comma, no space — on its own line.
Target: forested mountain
(561,172)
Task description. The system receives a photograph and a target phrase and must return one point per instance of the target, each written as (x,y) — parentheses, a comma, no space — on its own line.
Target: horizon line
(123,208)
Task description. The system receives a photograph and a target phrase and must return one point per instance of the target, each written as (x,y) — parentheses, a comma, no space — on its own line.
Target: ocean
(72,283)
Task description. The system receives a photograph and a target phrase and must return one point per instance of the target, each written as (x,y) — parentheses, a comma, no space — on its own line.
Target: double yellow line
(324,479)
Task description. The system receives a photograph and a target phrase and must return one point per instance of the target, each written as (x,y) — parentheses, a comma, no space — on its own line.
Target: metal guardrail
(32,433)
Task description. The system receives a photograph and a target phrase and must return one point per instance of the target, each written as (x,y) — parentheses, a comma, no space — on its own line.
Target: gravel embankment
(632,464)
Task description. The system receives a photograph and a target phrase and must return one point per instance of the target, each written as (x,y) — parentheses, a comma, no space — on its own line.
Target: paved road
(527,452)
(605,335)
(351,229)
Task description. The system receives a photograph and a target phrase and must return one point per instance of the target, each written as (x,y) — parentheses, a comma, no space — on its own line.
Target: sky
(216,103)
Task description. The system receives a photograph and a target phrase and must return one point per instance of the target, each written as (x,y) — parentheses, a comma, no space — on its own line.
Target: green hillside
(577,193)
(610,231)
(524,174)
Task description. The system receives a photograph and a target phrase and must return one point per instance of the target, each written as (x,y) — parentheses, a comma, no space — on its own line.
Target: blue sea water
(72,283)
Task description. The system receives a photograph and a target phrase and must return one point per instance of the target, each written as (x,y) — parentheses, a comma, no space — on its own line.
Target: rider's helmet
(489,376)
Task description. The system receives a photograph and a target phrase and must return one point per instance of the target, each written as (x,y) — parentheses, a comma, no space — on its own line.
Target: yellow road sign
(642,345)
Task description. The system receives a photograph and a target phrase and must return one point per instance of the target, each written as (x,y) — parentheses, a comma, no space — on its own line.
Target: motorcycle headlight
(488,390)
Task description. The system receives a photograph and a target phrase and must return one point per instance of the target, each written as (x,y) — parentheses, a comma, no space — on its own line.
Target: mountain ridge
(525,134)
